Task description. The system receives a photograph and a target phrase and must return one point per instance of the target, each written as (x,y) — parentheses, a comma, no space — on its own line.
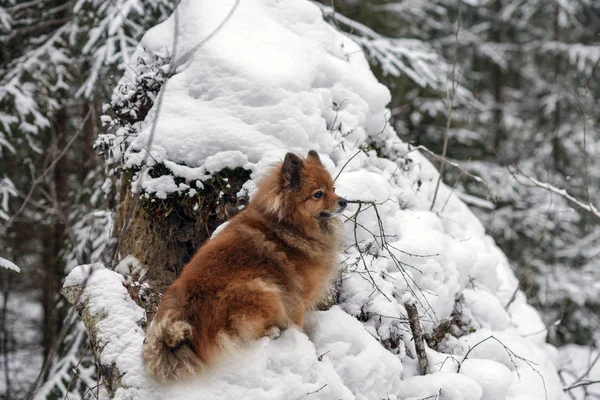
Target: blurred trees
(59,60)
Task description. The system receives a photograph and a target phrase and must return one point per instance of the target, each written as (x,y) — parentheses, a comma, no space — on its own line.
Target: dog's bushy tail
(168,353)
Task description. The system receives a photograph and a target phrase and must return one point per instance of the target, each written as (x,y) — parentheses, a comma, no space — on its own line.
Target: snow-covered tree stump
(108,312)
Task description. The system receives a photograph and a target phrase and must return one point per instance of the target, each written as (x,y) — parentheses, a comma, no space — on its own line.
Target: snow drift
(277,78)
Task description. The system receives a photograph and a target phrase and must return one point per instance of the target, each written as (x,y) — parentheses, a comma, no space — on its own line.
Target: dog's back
(271,264)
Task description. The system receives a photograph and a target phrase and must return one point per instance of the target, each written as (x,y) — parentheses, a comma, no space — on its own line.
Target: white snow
(493,377)
(119,333)
(277,78)
(24,314)
(284,368)
(363,364)
(9,265)
(440,386)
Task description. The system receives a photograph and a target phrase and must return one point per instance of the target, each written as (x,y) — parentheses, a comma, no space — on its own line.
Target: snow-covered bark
(277,78)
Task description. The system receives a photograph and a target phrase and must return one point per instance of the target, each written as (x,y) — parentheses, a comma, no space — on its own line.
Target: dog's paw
(272,332)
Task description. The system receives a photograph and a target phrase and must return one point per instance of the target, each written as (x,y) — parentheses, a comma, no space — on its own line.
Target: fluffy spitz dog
(272,263)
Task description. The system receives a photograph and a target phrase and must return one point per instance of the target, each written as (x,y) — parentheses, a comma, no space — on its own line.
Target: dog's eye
(318,194)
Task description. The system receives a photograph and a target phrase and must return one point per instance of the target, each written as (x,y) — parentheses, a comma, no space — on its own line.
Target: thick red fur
(271,264)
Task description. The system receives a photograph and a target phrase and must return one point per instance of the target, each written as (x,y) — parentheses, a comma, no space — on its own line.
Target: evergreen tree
(57,61)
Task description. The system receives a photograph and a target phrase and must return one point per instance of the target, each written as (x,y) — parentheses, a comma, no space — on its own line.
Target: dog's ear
(314,156)
(291,170)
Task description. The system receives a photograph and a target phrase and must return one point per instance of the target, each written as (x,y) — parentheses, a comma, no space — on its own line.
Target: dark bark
(557,152)
(54,240)
(88,161)
(4,350)
(417,332)
(498,83)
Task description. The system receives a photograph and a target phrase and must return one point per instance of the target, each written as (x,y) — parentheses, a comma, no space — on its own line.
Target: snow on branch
(7,190)
(113,38)
(411,57)
(589,207)
(4,263)
(582,56)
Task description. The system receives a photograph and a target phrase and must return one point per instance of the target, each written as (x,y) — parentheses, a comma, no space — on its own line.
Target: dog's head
(300,191)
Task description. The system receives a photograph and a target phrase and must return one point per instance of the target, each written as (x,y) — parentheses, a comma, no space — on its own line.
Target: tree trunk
(500,135)
(557,153)
(54,238)
(88,161)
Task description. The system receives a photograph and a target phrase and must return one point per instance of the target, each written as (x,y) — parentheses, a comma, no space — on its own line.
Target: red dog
(271,264)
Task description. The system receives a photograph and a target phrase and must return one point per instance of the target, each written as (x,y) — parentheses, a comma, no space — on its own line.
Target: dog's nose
(343,203)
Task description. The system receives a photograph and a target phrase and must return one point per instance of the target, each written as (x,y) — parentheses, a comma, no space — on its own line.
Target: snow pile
(342,361)
(277,78)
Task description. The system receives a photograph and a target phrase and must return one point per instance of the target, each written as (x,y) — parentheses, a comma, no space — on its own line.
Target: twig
(453,164)
(512,355)
(585,373)
(320,358)
(158,104)
(205,40)
(516,172)
(75,371)
(584,122)
(313,392)
(451,192)
(433,396)
(450,107)
(417,332)
(360,150)
(580,384)
(381,241)
(590,208)
(362,258)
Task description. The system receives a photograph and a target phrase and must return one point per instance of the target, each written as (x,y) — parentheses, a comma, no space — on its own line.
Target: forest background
(507,91)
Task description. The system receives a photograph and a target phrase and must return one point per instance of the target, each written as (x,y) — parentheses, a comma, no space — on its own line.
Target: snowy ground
(22,322)
(276,78)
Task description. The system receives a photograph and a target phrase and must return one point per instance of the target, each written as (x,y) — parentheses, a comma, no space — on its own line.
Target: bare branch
(580,384)
(581,381)
(584,125)
(313,392)
(590,208)
(450,105)
(417,332)
(512,355)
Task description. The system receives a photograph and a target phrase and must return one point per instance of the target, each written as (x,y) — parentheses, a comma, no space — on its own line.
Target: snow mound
(277,78)
(342,361)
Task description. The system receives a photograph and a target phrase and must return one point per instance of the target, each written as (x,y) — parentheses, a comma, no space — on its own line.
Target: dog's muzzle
(342,204)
